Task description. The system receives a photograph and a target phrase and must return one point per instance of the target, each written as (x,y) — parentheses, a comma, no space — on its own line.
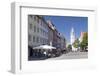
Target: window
(37,39)
(34,28)
(40,21)
(42,40)
(30,26)
(47,41)
(33,38)
(38,30)
(29,37)
(41,31)
(37,20)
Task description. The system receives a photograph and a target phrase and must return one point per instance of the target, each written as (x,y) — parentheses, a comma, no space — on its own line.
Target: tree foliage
(76,43)
(69,47)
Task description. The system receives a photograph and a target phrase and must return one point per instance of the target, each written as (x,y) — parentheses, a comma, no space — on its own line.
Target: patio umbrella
(44,47)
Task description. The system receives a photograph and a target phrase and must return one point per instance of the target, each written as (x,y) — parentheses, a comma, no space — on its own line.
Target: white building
(72,36)
(72,39)
(37,31)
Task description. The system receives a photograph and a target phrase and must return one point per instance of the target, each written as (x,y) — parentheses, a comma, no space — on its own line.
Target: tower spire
(72,38)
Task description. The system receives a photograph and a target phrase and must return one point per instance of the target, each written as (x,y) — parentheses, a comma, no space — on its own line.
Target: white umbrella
(44,47)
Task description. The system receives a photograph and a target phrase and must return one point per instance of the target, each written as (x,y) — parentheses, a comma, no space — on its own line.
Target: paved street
(72,55)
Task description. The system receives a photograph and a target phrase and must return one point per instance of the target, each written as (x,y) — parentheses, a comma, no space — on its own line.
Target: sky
(64,25)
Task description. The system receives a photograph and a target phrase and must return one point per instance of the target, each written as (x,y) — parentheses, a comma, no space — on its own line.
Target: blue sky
(64,24)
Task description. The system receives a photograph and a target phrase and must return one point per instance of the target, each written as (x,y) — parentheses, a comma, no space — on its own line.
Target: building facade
(37,31)
(81,36)
(56,38)
(63,42)
(50,32)
(41,32)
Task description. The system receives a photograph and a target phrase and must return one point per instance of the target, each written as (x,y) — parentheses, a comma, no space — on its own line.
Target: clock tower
(72,38)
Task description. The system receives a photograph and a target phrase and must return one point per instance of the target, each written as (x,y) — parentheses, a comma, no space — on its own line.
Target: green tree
(69,47)
(84,42)
(76,43)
